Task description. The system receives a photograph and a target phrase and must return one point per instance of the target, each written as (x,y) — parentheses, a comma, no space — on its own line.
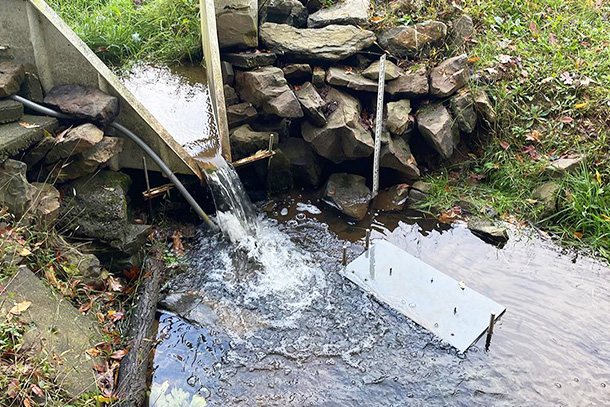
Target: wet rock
(87,266)
(241,113)
(312,104)
(345,76)
(392,200)
(343,137)
(413,83)
(391,71)
(419,192)
(279,175)
(354,12)
(546,195)
(11,77)
(231,97)
(53,327)
(15,138)
(558,168)
(291,12)
(135,237)
(304,163)
(449,76)
(228,74)
(279,127)
(461,30)
(484,107)
(84,103)
(249,59)
(10,111)
(318,76)
(407,6)
(349,194)
(396,154)
(245,141)
(297,73)
(462,108)
(267,89)
(31,88)
(436,125)
(237,23)
(15,191)
(67,170)
(398,116)
(487,231)
(45,204)
(403,41)
(331,43)
(76,141)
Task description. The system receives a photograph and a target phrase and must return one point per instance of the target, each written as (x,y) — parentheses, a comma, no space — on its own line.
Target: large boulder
(237,23)
(391,71)
(398,116)
(354,12)
(291,12)
(84,103)
(449,76)
(11,77)
(396,154)
(403,41)
(437,126)
(343,137)
(15,191)
(241,113)
(267,89)
(413,83)
(462,108)
(245,141)
(349,194)
(331,43)
(75,141)
(305,165)
(312,104)
(346,76)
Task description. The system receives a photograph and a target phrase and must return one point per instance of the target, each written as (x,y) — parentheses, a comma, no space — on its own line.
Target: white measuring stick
(378,125)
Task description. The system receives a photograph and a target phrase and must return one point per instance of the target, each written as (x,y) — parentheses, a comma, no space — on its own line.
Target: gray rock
(249,59)
(279,127)
(345,76)
(245,141)
(398,116)
(135,237)
(484,107)
(346,12)
(546,195)
(304,163)
(76,141)
(237,23)
(297,73)
(84,103)
(11,77)
(391,71)
(279,175)
(392,200)
(407,6)
(87,266)
(39,151)
(231,97)
(449,76)
(313,5)
(45,204)
(15,137)
(396,154)
(291,12)
(403,41)
(419,192)
(15,191)
(31,88)
(413,83)
(558,168)
(10,111)
(241,113)
(436,125)
(267,89)
(104,151)
(462,108)
(318,76)
(488,231)
(228,74)
(461,30)
(349,194)
(312,104)
(331,43)
(343,137)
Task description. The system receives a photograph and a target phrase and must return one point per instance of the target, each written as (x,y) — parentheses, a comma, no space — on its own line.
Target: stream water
(264,319)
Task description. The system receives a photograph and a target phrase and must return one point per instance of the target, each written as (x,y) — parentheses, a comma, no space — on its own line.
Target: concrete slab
(19,136)
(450,310)
(10,111)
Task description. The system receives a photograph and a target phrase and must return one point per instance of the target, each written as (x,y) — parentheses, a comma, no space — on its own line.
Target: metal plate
(453,312)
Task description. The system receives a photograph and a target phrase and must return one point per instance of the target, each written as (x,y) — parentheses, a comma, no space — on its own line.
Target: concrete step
(19,136)
(10,111)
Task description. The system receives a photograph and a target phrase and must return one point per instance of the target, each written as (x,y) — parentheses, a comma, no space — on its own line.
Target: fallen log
(131,389)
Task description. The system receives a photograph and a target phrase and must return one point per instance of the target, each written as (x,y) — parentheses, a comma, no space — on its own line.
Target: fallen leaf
(504,145)
(132,273)
(565,119)
(553,39)
(581,105)
(104,399)
(598,177)
(115,316)
(37,391)
(27,402)
(24,252)
(119,354)
(93,352)
(534,28)
(605,217)
(20,307)
(101,49)
(114,284)
(473,60)
(28,125)
(531,201)
(578,235)
(533,136)
(531,150)
(377,19)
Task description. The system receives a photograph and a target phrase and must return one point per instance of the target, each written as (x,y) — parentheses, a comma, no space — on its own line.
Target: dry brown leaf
(119,354)
(20,307)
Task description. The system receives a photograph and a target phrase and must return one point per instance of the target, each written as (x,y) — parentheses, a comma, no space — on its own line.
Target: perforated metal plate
(453,312)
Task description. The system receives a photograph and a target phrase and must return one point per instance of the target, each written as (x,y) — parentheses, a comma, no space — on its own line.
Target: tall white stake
(378,124)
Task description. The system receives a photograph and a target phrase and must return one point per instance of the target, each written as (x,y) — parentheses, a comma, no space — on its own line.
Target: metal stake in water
(378,124)
(344,260)
(367,241)
(490,330)
(150,208)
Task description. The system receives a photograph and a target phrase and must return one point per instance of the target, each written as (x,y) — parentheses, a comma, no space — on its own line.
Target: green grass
(121,33)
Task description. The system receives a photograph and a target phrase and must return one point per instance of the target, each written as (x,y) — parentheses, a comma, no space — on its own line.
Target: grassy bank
(121,32)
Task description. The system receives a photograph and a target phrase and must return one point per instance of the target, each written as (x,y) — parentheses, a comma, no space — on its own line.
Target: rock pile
(314,68)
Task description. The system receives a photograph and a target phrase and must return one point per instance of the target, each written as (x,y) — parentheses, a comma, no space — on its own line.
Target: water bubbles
(205,392)
(284,212)
(192,381)
(287,371)
(558,385)
(300,216)
(603,384)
